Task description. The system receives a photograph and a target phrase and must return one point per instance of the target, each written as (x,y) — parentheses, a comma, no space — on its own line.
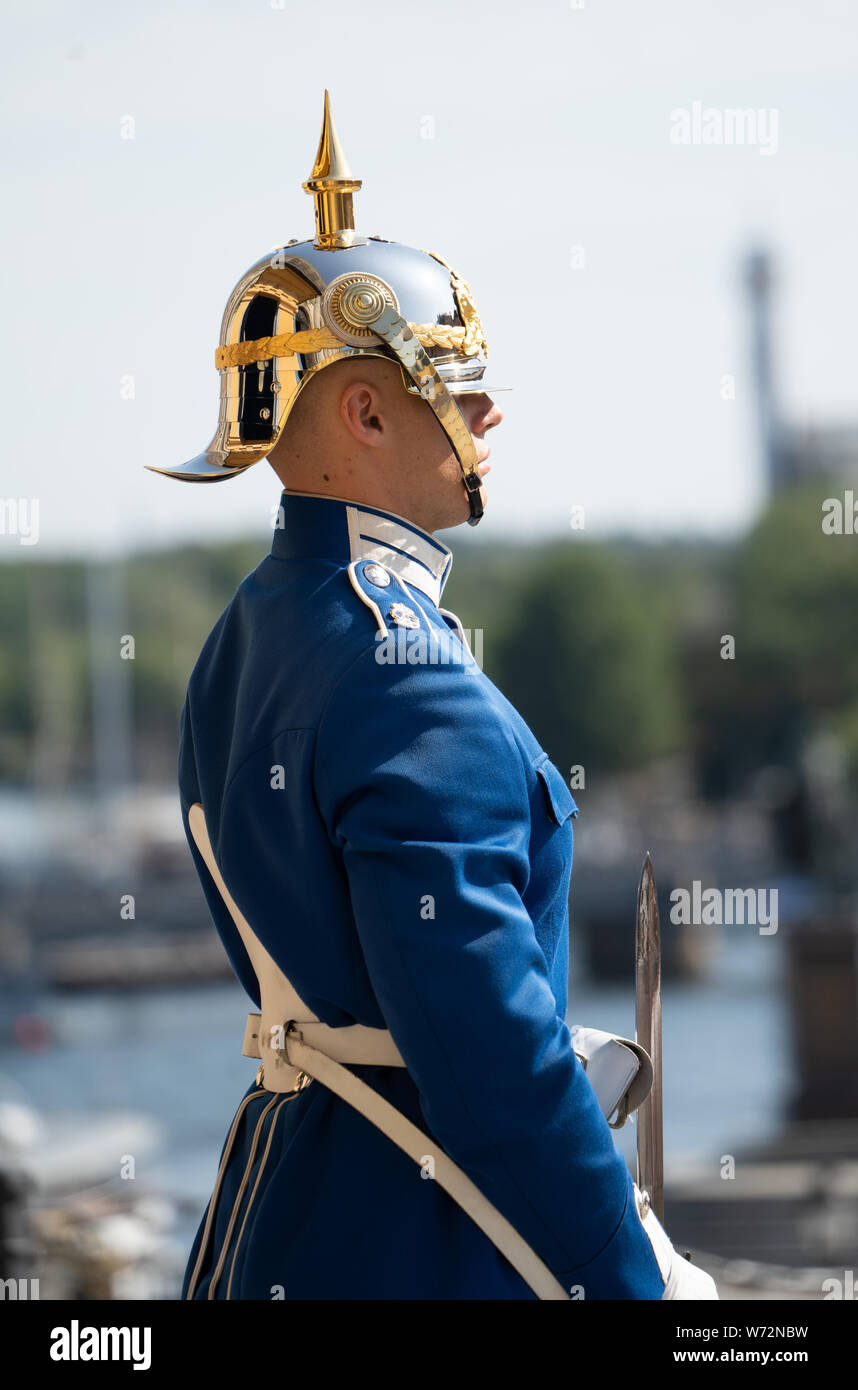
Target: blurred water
(175,1055)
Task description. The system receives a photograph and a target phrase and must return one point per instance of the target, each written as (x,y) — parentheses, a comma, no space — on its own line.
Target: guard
(384,846)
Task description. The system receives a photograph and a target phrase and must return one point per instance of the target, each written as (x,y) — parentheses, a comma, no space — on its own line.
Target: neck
(345,483)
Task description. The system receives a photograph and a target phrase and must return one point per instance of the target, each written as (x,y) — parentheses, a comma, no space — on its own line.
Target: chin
(457,514)
(456,510)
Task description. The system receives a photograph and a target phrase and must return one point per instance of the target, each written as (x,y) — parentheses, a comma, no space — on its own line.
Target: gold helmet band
(340,296)
(466,341)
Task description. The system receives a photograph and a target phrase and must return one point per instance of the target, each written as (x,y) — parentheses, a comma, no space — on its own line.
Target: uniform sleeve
(423,787)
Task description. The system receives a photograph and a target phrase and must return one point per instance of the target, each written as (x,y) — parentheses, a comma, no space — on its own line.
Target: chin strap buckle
(473,484)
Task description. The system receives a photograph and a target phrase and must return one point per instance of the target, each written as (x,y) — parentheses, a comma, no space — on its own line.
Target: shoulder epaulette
(385,595)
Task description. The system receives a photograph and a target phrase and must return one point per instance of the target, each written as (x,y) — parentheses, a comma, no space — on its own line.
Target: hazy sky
(552,130)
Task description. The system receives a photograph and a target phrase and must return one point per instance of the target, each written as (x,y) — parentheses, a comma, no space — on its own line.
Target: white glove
(682,1279)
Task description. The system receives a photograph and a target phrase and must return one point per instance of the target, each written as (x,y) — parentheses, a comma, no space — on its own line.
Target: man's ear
(361,413)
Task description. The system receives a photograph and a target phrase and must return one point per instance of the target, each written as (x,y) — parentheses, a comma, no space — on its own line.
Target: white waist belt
(293,1044)
(619,1070)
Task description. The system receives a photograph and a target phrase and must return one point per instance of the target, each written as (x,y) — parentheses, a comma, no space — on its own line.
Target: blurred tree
(845,726)
(792,606)
(797,605)
(588,661)
(174,600)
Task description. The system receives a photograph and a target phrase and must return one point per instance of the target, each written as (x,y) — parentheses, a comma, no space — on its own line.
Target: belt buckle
(302,1080)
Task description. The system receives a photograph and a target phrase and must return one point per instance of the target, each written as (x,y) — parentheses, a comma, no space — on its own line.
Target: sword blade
(650,1142)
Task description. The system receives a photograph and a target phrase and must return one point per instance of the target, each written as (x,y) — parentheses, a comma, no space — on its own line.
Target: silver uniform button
(403,616)
(377,576)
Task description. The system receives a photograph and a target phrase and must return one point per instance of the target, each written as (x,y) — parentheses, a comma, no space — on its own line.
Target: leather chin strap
(399,337)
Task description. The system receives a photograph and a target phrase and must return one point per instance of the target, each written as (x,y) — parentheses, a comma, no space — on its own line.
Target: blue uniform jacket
(402,846)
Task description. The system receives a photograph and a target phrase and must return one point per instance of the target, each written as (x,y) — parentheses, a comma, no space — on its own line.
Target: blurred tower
(758,281)
(789,452)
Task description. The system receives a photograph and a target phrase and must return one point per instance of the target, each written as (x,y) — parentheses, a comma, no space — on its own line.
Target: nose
(494,416)
(484,414)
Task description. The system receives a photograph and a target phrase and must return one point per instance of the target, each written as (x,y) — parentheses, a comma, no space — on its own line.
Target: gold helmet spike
(332,185)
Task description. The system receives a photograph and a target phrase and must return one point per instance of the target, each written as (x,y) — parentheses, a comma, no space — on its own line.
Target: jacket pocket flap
(561,803)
